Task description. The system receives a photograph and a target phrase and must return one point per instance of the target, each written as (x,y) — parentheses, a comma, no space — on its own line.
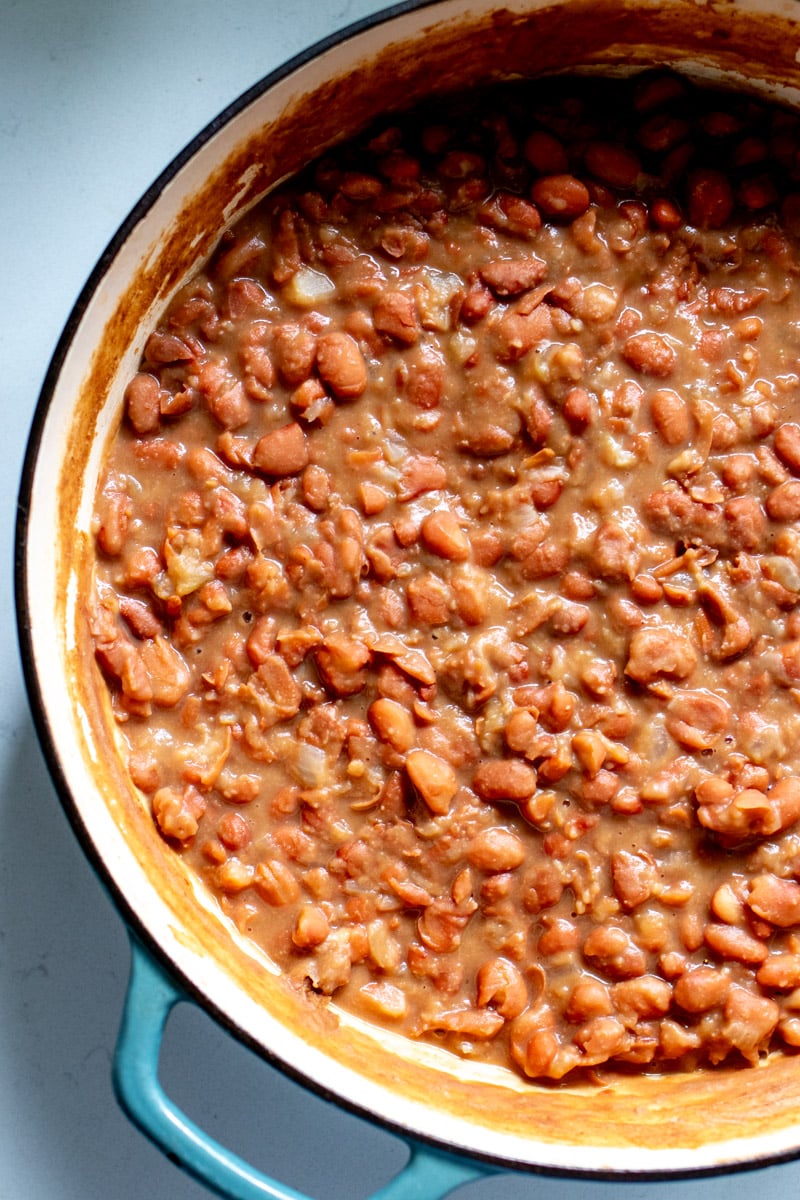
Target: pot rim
(49,740)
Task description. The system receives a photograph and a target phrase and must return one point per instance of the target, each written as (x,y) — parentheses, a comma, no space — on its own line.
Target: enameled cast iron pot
(460,1119)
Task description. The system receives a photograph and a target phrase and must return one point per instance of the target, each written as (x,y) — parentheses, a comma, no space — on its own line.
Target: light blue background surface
(95,98)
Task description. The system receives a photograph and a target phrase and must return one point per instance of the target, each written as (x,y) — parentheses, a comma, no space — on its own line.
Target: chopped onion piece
(308,287)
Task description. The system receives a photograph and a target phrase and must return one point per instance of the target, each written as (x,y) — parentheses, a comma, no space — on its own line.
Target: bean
(701,989)
(656,89)
(178,811)
(496,849)
(613,952)
(470,587)
(577,409)
(787,445)
(779,972)
(341,365)
(520,216)
(115,511)
(560,196)
(162,348)
(429,599)
(517,332)
(649,353)
(547,559)
(282,452)
(646,997)
(546,153)
(662,132)
(420,473)
(783,502)
(294,349)
(311,927)
(504,780)
(775,900)
(749,1021)
(670,416)
(659,653)
(142,401)
(500,984)
(613,164)
(666,215)
(589,998)
(316,484)
(698,719)
(425,384)
(234,831)
(510,276)
(727,941)
(613,553)
(443,536)
(395,316)
(433,778)
(633,877)
(709,198)
(393,724)
(341,662)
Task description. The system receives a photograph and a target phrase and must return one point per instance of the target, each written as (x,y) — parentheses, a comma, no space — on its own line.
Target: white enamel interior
(69,725)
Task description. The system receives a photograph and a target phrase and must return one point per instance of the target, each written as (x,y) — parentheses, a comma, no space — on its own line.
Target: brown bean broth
(449,569)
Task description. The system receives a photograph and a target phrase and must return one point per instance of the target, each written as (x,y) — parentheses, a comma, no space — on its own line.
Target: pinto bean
(736,816)
(275,883)
(433,778)
(614,553)
(395,316)
(341,365)
(613,952)
(779,972)
(634,877)
(504,780)
(613,164)
(783,502)
(749,1021)
(282,452)
(546,153)
(115,513)
(393,724)
(509,276)
(429,598)
(516,331)
(709,198)
(496,849)
(421,473)
(649,353)
(560,196)
(178,811)
(501,985)
(577,409)
(727,941)
(341,662)
(775,900)
(659,653)
(670,416)
(787,445)
(698,719)
(701,989)
(294,349)
(143,403)
(443,536)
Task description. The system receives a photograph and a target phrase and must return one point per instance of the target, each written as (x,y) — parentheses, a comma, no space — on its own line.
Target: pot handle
(151,996)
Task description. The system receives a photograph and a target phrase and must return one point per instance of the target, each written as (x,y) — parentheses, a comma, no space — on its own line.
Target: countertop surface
(95,99)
